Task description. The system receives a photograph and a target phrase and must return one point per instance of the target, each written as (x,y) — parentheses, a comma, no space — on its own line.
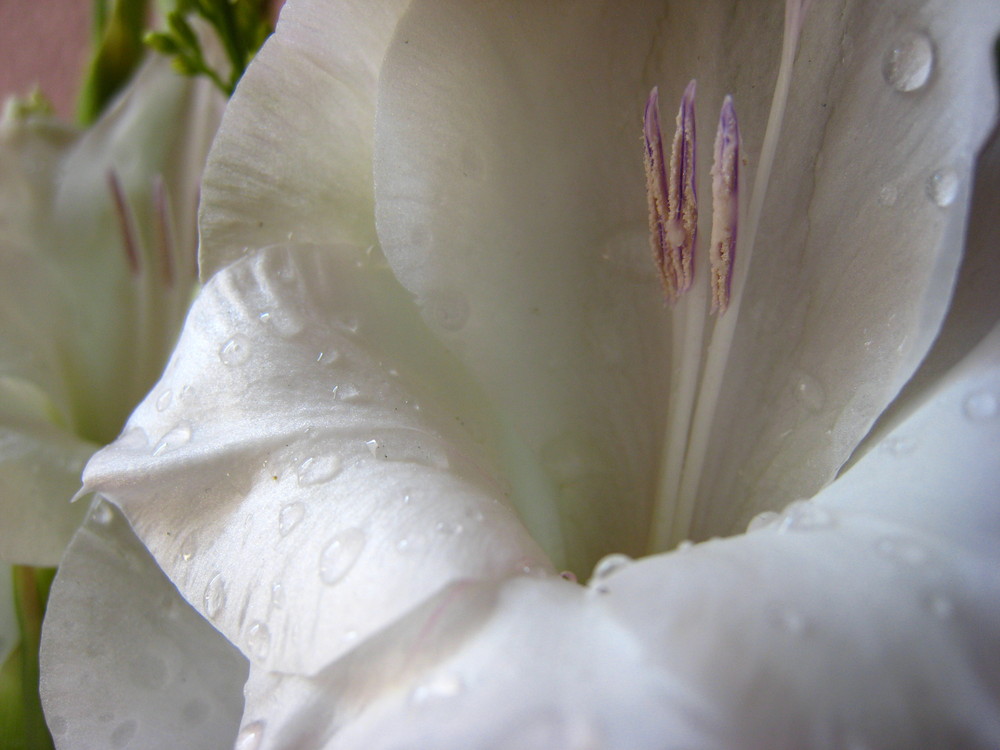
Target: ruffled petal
(126,662)
(312,464)
(866,617)
(294,153)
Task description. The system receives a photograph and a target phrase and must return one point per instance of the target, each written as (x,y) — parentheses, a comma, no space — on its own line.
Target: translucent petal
(320,466)
(126,662)
(294,153)
(864,618)
(84,328)
(508,176)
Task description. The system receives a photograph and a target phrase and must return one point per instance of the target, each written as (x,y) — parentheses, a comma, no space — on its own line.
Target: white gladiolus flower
(432,366)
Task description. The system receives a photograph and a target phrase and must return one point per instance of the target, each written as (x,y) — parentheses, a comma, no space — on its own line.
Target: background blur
(44,42)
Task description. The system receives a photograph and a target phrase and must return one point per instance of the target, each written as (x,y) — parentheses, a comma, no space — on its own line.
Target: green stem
(31,593)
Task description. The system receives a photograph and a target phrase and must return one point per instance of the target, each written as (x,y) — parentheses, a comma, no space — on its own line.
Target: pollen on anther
(725,205)
(671,195)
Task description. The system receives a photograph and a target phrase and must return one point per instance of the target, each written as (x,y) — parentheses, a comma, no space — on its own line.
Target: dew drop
(189,547)
(902,550)
(449,528)
(215,596)
(608,565)
(809,392)
(348,393)
(888,195)
(942,187)
(102,514)
(235,351)
(340,554)
(787,619)
(763,520)
(939,605)
(250,736)
(328,356)
(259,640)
(277,595)
(123,733)
(348,324)
(908,63)
(284,322)
(438,687)
(900,445)
(803,515)
(164,400)
(981,406)
(174,439)
(448,309)
(289,517)
(373,447)
(317,470)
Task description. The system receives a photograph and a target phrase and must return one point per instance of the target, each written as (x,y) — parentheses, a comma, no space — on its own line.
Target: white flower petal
(867,617)
(312,464)
(82,334)
(125,660)
(293,156)
(509,200)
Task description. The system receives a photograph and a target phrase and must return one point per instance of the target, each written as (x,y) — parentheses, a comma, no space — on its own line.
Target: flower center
(698,362)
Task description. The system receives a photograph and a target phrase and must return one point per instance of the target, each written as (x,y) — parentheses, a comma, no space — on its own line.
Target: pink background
(44,42)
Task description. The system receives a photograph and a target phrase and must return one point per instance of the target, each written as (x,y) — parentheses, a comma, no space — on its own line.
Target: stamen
(725,205)
(672,198)
(125,222)
(164,237)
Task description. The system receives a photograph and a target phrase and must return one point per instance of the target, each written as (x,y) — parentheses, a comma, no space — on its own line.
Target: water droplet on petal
(763,520)
(608,565)
(888,195)
(787,619)
(942,187)
(328,356)
(901,550)
(174,439)
(909,61)
(189,547)
(900,445)
(340,554)
(123,733)
(215,596)
(250,736)
(373,447)
(809,392)
(289,517)
(164,400)
(449,528)
(102,513)
(235,351)
(448,309)
(438,687)
(939,605)
(804,515)
(317,470)
(277,595)
(981,406)
(259,640)
(284,322)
